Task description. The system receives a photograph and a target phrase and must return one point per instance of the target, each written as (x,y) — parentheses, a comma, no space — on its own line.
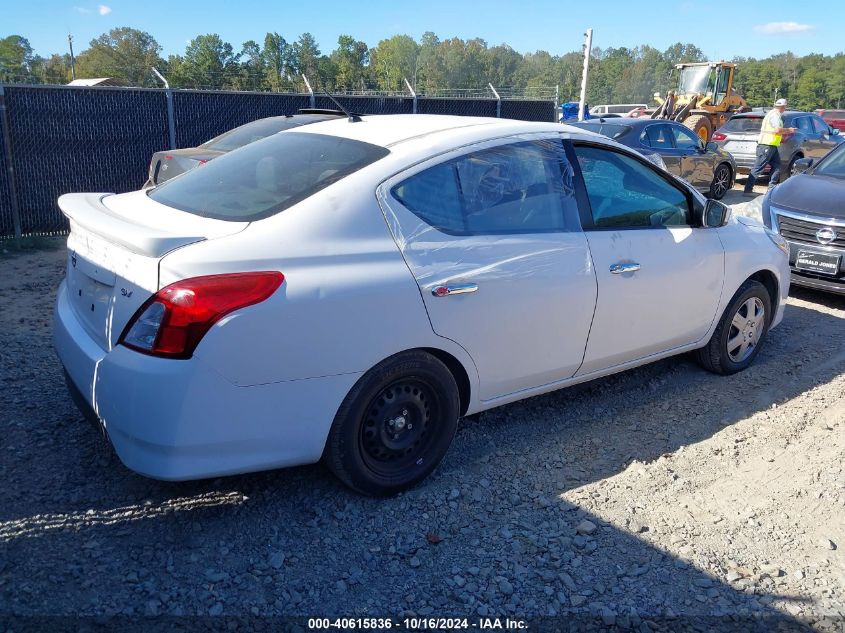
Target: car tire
(741,331)
(700,124)
(395,425)
(722,178)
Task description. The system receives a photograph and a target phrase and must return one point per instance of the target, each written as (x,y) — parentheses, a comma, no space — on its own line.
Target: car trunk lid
(114,249)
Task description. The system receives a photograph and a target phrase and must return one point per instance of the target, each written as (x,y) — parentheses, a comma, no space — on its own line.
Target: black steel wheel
(395,425)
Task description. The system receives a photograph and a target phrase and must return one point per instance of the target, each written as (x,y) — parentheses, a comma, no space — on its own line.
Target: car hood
(819,195)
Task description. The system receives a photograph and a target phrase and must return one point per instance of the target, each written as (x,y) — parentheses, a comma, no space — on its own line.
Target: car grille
(804,231)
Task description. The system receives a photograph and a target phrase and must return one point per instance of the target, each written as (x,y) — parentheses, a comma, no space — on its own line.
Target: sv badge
(126,293)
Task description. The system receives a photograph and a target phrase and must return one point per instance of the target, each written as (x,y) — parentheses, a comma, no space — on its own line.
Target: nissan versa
(349,289)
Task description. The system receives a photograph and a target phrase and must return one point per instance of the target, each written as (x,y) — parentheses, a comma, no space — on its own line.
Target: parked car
(809,211)
(348,290)
(708,168)
(169,163)
(814,139)
(834,118)
(615,108)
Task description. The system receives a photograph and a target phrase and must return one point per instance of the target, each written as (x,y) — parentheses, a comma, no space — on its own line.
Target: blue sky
(753,29)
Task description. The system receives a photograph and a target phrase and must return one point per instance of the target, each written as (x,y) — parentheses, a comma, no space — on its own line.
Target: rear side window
(684,139)
(743,125)
(525,187)
(266,177)
(658,137)
(821,125)
(625,193)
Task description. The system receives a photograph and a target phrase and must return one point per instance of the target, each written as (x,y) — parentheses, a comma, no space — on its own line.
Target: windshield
(833,164)
(266,177)
(611,130)
(695,79)
(250,132)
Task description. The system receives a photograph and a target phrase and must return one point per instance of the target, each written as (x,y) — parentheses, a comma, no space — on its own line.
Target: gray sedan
(813,138)
(708,168)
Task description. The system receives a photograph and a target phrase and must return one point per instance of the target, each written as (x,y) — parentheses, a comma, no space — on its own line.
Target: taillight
(718,136)
(174,320)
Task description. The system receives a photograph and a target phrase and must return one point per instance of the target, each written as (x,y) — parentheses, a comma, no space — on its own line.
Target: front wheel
(395,425)
(741,331)
(721,182)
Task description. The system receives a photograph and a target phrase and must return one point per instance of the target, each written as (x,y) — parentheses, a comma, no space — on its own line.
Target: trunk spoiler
(88,211)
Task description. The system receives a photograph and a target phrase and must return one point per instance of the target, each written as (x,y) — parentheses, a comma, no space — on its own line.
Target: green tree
(123,53)
(305,57)
(208,62)
(393,60)
(430,69)
(16,60)
(350,60)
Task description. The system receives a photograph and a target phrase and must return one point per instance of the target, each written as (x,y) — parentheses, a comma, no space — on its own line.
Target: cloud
(103,9)
(781,28)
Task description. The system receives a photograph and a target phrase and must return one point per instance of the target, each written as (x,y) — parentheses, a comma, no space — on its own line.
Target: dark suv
(813,139)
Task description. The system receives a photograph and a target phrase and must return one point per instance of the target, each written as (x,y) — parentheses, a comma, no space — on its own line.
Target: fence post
(10,170)
(413,94)
(171,118)
(498,101)
(312,99)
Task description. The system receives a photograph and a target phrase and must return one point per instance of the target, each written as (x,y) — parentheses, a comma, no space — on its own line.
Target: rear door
(491,235)
(823,137)
(659,277)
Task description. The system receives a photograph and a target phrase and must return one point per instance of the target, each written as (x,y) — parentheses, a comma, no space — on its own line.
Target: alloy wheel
(747,328)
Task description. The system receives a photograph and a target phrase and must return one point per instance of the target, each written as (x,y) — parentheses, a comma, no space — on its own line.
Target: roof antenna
(353,118)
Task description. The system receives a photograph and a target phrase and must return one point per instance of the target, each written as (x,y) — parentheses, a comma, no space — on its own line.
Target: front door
(659,277)
(491,235)
(696,165)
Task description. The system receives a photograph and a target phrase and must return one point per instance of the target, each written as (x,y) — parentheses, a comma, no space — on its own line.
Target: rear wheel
(721,182)
(788,172)
(395,425)
(701,125)
(741,331)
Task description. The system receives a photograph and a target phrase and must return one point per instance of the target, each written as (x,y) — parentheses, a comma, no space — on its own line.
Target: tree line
(617,75)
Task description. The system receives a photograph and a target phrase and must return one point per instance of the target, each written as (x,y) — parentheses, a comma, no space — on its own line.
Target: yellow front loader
(704,100)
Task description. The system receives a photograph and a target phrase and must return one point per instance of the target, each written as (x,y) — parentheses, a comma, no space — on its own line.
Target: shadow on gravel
(488,535)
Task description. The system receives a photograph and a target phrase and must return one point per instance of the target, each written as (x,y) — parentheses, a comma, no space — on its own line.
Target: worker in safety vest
(771,135)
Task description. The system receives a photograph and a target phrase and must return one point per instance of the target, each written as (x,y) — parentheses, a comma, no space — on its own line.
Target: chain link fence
(62,139)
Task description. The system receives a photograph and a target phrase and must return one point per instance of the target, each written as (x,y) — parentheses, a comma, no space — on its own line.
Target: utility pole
(588,47)
(72,60)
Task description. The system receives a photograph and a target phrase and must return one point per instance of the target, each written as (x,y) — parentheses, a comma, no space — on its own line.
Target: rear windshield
(612,130)
(250,132)
(266,177)
(743,124)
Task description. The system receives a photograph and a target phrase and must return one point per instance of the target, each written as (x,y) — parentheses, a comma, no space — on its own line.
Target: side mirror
(711,147)
(834,131)
(715,214)
(801,165)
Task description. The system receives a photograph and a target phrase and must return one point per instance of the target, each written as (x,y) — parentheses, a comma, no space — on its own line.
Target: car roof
(760,115)
(634,122)
(389,130)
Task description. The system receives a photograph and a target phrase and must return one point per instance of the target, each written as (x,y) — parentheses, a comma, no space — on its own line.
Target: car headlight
(778,240)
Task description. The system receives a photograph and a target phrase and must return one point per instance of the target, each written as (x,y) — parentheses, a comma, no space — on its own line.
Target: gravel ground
(661,498)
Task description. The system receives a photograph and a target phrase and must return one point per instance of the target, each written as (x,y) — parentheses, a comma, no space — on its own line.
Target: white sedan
(350,289)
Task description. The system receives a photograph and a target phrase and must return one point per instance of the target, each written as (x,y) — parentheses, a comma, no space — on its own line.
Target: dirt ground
(661,498)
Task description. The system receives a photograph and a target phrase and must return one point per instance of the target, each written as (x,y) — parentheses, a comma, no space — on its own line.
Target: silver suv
(813,139)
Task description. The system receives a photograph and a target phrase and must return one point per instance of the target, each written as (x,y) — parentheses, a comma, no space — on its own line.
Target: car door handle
(453,289)
(628,267)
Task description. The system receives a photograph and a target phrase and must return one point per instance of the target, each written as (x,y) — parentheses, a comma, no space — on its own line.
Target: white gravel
(661,498)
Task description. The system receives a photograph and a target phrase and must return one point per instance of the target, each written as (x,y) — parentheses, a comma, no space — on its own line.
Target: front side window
(804,124)
(267,176)
(625,193)
(525,187)
(821,125)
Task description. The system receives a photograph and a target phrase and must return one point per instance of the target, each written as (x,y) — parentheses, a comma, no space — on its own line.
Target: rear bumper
(177,420)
